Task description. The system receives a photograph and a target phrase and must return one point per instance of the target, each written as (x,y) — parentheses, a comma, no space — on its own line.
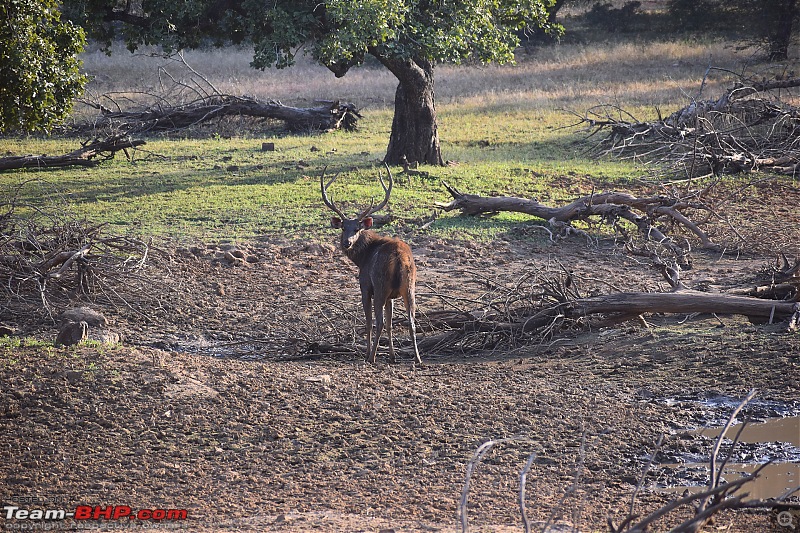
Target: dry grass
(574,76)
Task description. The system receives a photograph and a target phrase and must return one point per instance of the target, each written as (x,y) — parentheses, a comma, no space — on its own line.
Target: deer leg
(366,301)
(389,308)
(410,305)
(378,328)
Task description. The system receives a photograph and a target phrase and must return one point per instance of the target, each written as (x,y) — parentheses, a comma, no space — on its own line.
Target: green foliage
(338,32)
(447,31)
(39,68)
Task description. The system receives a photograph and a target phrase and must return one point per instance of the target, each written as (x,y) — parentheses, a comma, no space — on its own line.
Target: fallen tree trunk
(608,206)
(681,301)
(327,116)
(633,304)
(619,306)
(88,155)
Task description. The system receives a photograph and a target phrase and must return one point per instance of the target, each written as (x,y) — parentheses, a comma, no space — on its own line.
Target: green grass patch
(229,189)
(503,128)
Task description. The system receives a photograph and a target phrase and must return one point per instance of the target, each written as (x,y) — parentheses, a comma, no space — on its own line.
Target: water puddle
(777,440)
(775,430)
(714,409)
(771,439)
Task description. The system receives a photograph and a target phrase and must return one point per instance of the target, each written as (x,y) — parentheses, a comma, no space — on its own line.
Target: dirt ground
(220,401)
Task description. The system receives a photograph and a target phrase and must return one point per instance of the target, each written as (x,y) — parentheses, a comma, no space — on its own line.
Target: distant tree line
(771,24)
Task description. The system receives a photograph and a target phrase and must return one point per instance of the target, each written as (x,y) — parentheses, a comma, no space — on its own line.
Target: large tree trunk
(415,136)
(781,15)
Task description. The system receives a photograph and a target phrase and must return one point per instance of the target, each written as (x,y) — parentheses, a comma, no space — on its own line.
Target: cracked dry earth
(214,403)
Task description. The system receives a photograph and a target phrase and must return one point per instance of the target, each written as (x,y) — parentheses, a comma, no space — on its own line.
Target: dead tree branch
(49,257)
(480,453)
(608,207)
(165,117)
(91,153)
(185,98)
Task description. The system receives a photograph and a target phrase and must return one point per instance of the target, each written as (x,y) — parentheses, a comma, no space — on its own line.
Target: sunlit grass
(506,130)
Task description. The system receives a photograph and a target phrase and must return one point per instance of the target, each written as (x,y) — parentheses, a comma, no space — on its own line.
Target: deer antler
(325,198)
(387,191)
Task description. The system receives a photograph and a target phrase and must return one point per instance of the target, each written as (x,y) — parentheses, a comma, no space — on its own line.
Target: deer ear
(367,222)
(336,222)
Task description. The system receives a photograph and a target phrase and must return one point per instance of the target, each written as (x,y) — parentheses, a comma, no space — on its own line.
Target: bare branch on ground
(91,153)
(49,258)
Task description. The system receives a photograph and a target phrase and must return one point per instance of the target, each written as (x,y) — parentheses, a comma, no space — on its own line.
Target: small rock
(324,379)
(235,257)
(72,333)
(83,314)
(103,336)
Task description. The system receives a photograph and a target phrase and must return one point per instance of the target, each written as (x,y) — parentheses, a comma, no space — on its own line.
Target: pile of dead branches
(750,127)
(50,258)
(552,302)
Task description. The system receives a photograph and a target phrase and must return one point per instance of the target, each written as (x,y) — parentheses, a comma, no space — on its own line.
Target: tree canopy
(39,68)
(407,36)
(338,32)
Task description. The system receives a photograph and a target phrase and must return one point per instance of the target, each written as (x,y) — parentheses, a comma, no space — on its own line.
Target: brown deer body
(386,270)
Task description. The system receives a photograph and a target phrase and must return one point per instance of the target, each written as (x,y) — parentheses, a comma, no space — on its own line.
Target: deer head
(352,227)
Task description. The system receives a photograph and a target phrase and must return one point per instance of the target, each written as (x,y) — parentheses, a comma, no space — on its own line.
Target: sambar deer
(386,268)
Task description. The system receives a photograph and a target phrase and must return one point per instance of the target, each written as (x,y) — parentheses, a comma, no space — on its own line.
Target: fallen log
(609,206)
(681,301)
(329,115)
(618,306)
(88,155)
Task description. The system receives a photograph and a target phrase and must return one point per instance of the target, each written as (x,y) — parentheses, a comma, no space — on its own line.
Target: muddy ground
(238,392)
